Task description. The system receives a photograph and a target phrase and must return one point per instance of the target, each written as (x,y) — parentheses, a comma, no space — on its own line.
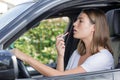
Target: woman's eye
(80,21)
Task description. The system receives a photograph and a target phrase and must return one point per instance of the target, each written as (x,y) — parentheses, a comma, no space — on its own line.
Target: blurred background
(5,5)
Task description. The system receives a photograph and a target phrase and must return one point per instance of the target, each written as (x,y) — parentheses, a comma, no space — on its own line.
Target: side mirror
(8,65)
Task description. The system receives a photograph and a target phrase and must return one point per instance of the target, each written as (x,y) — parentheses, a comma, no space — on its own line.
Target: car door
(99,75)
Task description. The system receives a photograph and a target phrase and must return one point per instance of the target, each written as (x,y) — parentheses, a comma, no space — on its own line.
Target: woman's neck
(87,46)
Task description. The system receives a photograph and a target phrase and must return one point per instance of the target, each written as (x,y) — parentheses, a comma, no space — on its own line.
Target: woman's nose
(75,23)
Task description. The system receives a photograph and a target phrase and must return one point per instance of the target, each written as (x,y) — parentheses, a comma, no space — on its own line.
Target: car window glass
(39,42)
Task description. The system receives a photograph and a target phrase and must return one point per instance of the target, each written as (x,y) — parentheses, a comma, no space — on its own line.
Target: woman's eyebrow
(79,17)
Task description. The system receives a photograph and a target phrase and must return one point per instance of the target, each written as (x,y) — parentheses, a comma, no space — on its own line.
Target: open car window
(39,42)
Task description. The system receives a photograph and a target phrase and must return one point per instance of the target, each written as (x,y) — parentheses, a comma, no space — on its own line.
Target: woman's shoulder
(103,57)
(99,61)
(103,54)
(102,51)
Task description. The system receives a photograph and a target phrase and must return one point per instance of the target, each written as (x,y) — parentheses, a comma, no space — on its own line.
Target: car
(29,15)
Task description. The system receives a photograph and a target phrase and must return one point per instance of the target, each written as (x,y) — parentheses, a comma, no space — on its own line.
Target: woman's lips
(74,31)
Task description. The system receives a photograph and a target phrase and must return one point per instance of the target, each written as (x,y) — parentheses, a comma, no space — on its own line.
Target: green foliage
(40,41)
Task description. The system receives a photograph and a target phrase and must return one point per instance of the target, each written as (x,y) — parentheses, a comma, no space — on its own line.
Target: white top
(100,61)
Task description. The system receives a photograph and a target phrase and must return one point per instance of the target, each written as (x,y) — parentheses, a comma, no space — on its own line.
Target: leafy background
(40,41)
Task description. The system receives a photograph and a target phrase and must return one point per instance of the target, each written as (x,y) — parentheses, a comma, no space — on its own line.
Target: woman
(92,54)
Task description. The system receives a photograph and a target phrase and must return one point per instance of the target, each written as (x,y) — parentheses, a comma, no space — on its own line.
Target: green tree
(40,41)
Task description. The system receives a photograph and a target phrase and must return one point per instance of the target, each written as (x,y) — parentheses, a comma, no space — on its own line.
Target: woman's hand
(20,55)
(60,45)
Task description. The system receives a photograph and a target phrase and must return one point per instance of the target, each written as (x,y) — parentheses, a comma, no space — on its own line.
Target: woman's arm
(60,47)
(60,63)
(43,69)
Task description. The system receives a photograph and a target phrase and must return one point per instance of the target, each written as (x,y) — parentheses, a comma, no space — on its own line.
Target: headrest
(113,18)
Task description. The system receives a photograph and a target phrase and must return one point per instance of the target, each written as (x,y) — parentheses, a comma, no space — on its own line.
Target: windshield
(13,13)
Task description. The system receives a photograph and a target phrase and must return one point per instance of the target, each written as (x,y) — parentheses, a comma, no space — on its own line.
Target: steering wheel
(23,72)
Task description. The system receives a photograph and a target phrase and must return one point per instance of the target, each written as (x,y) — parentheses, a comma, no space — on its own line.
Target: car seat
(113,18)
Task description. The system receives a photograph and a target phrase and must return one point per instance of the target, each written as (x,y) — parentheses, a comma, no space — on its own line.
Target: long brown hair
(101,33)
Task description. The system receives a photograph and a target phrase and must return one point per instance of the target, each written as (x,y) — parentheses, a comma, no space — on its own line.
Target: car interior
(113,18)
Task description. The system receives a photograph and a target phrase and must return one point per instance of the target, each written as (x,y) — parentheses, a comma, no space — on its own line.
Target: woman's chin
(75,36)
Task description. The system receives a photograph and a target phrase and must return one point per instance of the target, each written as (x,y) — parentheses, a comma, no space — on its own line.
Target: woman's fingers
(59,40)
(19,54)
(61,37)
(60,45)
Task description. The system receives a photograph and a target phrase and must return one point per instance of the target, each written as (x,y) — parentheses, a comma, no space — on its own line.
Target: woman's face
(82,27)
